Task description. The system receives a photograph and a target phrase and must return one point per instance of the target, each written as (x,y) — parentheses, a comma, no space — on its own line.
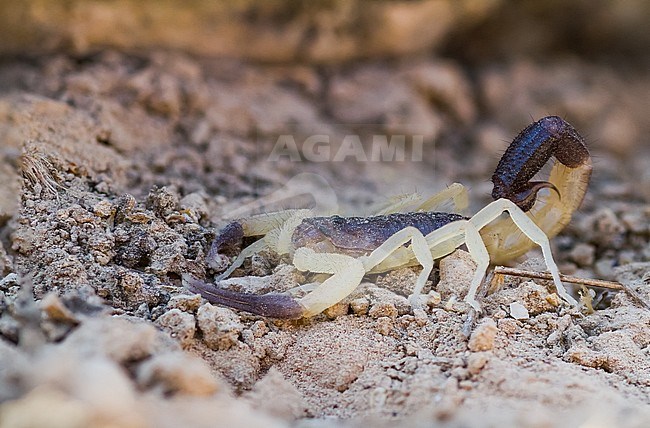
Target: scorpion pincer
(347,248)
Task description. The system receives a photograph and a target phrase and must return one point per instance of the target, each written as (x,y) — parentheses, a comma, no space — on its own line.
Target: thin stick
(501,270)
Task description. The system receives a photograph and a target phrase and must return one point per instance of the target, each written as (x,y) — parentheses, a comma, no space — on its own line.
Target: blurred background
(330,32)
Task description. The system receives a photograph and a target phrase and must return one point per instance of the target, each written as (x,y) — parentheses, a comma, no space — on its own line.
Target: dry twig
(502,271)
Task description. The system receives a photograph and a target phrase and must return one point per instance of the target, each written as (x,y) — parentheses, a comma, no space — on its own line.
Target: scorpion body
(361,235)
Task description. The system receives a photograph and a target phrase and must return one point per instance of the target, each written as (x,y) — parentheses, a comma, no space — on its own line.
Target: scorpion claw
(526,197)
(279,306)
(229,240)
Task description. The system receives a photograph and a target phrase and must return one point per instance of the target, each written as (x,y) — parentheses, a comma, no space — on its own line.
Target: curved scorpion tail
(279,306)
(549,137)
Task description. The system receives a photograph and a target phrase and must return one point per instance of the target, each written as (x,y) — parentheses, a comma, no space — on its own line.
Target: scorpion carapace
(347,248)
(360,235)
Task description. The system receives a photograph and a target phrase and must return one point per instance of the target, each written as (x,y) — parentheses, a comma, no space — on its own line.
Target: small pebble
(337,310)
(482,338)
(476,361)
(176,372)
(433,298)
(259,329)
(180,325)
(103,209)
(518,311)
(583,254)
(184,302)
(360,306)
(383,309)
(384,325)
(219,326)
(56,310)
(508,326)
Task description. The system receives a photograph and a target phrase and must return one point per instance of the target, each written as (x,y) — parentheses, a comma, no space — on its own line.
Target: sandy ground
(117,171)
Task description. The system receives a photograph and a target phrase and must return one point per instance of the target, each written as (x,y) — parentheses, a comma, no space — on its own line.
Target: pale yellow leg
(481,256)
(456,194)
(453,199)
(324,197)
(398,203)
(347,275)
(530,229)
(277,229)
(420,250)
(261,224)
(452,235)
(252,249)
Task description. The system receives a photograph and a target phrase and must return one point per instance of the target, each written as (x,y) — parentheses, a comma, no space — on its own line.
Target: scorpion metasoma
(347,248)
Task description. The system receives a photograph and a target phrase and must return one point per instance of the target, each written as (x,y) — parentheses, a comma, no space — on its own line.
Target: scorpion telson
(347,248)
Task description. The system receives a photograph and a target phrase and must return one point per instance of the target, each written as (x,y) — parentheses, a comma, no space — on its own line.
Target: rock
(385,325)
(518,311)
(360,306)
(219,326)
(177,373)
(186,303)
(180,325)
(456,273)
(54,308)
(476,361)
(482,338)
(282,31)
(119,339)
(6,264)
(583,254)
(274,395)
(337,310)
(45,406)
(383,309)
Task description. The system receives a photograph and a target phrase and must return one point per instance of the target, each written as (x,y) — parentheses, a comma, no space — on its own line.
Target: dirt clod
(482,338)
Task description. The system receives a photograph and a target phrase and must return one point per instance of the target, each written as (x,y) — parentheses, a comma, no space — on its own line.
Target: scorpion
(348,248)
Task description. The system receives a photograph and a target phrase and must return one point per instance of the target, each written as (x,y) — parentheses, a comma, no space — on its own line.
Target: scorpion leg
(436,244)
(454,195)
(530,229)
(480,254)
(326,202)
(276,228)
(394,204)
(252,249)
(419,248)
(449,237)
